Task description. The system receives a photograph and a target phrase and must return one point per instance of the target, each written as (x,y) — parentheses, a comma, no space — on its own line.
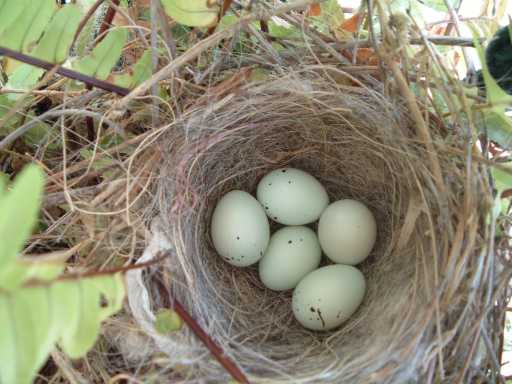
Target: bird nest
(429,311)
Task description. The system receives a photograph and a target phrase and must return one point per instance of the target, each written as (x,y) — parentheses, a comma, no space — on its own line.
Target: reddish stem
(225,6)
(107,21)
(228,364)
(86,18)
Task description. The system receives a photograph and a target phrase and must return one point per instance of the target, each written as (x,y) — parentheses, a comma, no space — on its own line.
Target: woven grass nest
(429,312)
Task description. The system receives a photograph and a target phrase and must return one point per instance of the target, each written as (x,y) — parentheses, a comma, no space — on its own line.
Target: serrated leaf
(193,13)
(26,29)
(104,56)
(19,211)
(34,319)
(58,36)
(168,321)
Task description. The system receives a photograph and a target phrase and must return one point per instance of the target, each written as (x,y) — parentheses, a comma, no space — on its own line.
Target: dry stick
(105,25)
(106,272)
(224,7)
(50,115)
(200,47)
(166,30)
(424,134)
(215,350)
(86,18)
(434,39)
(455,18)
(155,118)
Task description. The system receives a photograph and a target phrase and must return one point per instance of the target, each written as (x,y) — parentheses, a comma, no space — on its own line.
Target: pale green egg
(292,197)
(292,253)
(347,231)
(328,296)
(240,229)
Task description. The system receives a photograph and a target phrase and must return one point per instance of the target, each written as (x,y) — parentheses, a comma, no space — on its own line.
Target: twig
(224,7)
(456,24)
(200,47)
(434,39)
(20,131)
(64,71)
(107,21)
(42,92)
(106,272)
(85,20)
(155,119)
(215,350)
(166,30)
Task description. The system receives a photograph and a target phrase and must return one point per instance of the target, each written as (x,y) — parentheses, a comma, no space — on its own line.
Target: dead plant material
(430,310)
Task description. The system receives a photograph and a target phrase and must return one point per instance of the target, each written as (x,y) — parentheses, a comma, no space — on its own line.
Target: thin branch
(106,272)
(166,30)
(228,364)
(434,39)
(107,21)
(200,47)
(20,131)
(64,71)
(155,118)
(85,20)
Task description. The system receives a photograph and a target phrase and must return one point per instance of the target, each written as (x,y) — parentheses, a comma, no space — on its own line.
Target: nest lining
(361,144)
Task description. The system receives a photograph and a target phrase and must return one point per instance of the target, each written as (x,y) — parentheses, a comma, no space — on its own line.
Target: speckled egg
(292,253)
(240,229)
(347,231)
(292,197)
(328,296)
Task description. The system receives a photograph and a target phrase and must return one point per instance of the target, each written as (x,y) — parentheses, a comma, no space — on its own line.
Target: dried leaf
(351,24)
(314,10)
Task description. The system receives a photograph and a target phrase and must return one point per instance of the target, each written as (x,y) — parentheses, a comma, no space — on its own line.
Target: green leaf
(24,77)
(19,210)
(104,56)
(99,298)
(193,13)
(502,179)
(503,182)
(25,30)
(58,36)
(3,183)
(36,316)
(34,319)
(283,31)
(5,106)
(499,125)
(9,12)
(167,321)
(141,72)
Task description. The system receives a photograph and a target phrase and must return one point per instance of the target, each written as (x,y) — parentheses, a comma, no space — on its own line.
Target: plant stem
(64,71)
(228,364)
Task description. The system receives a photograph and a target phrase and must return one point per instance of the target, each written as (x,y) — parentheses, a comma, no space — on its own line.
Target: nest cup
(361,144)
